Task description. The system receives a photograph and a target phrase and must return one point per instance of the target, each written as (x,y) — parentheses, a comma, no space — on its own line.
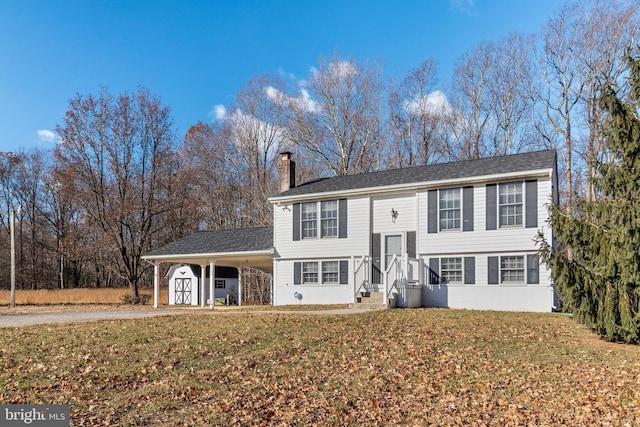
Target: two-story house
(463,233)
(459,234)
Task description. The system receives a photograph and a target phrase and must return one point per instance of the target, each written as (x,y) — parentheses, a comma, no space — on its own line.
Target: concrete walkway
(26,319)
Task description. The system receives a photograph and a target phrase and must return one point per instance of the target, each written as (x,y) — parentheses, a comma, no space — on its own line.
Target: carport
(243,247)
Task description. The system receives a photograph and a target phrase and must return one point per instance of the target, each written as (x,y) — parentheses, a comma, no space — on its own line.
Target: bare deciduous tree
(471,98)
(116,149)
(582,44)
(561,71)
(416,117)
(337,116)
(511,81)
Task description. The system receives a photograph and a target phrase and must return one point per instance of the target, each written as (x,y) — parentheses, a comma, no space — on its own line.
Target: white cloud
(45,135)
(219,112)
(286,74)
(248,129)
(464,6)
(304,101)
(432,103)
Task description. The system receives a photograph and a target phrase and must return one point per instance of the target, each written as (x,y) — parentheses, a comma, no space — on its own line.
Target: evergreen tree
(595,259)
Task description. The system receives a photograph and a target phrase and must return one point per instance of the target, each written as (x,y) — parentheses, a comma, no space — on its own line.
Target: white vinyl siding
(449,204)
(383,222)
(517,240)
(356,242)
(510,206)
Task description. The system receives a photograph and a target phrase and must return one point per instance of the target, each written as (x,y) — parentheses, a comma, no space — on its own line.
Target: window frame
(325,272)
(520,268)
(321,272)
(444,271)
(217,282)
(312,222)
(518,214)
(456,219)
(329,222)
(320,222)
(306,273)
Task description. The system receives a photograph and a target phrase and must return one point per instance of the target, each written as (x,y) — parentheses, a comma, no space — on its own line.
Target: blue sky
(198,54)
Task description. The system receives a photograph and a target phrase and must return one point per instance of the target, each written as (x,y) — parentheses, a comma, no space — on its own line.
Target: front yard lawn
(410,367)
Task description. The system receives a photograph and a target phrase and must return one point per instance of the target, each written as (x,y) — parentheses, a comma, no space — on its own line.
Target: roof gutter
(207,255)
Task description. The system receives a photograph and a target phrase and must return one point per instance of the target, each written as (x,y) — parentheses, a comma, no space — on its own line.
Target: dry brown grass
(392,367)
(75,296)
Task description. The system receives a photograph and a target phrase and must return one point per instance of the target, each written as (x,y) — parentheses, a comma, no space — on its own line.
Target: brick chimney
(286,172)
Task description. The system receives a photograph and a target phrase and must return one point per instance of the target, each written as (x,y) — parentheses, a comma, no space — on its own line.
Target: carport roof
(236,247)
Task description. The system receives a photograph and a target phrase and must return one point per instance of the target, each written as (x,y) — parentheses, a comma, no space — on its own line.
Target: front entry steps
(369,300)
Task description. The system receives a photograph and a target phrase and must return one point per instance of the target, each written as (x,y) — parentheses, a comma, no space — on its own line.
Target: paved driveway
(8,320)
(26,319)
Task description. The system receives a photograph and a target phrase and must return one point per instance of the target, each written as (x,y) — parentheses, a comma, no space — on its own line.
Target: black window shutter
(432,211)
(467,209)
(533,269)
(434,271)
(531,199)
(344,272)
(493,270)
(491,207)
(469,270)
(297,273)
(411,244)
(342,218)
(296,221)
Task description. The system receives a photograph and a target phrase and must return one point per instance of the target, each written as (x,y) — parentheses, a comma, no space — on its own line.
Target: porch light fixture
(394,215)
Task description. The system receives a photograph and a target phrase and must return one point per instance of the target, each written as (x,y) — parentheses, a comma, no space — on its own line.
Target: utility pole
(12,228)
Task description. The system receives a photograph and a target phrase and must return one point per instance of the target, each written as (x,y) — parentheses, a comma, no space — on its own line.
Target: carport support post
(239,286)
(212,277)
(156,283)
(203,277)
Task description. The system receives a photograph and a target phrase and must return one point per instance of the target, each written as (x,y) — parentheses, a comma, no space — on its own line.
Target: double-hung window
(510,204)
(451,270)
(329,218)
(450,209)
(320,219)
(309,218)
(309,272)
(512,269)
(330,272)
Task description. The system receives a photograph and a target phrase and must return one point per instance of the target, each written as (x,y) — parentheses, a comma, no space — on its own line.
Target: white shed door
(183,290)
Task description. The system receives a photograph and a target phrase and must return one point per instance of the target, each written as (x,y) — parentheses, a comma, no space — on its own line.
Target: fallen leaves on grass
(410,367)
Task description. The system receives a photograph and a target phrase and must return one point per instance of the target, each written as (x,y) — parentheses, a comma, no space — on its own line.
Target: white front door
(392,246)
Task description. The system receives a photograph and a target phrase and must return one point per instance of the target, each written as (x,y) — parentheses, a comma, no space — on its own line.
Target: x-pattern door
(183,290)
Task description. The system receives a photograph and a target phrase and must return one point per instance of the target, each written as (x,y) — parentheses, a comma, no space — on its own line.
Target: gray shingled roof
(462,169)
(220,241)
